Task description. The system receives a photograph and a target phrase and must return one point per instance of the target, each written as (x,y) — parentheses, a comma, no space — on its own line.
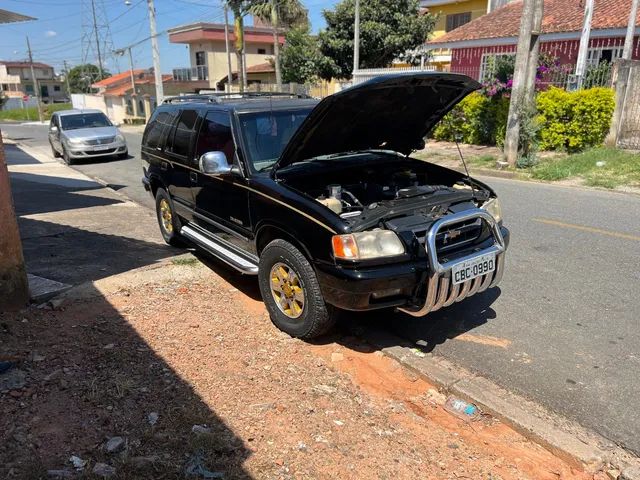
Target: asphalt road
(563,329)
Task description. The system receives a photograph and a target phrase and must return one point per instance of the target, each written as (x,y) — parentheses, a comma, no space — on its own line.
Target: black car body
(332,181)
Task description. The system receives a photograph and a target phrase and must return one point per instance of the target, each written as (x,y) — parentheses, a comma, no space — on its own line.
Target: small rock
(326,389)
(153,418)
(36,357)
(109,346)
(60,473)
(199,429)
(53,375)
(56,303)
(14,379)
(77,462)
(142,462)
(631,473)
(602,164)
(613,473)
(114,444)
(15,393)
(302,446)
(337,357)
(279,462)
(63,384)
(103,470)
(338,423)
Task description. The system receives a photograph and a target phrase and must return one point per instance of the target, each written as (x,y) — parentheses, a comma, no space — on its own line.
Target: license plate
(99,149)
(473,268)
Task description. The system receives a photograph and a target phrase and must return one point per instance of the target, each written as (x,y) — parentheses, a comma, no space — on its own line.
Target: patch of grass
(619,168)
(185,261)
(483,161)
(31,113)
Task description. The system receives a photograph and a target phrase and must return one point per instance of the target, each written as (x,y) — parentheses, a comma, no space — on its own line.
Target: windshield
(267,133)
(84,120)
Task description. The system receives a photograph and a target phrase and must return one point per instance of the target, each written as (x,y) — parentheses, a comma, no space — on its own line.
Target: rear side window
(184,133)
(215,135)
(158,127)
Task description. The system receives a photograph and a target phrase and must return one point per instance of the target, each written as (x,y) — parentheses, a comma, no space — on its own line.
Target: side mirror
(214,163)
(53,129)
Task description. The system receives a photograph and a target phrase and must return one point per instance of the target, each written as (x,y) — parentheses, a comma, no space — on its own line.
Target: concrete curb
(562,437)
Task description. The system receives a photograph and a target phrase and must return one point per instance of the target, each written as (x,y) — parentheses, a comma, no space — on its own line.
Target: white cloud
(50,33)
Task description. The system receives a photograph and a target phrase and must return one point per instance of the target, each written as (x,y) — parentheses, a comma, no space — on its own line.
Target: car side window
(184,132)
(215,135)
(158,126)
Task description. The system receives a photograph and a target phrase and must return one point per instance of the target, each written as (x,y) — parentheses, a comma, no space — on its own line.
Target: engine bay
(361,190)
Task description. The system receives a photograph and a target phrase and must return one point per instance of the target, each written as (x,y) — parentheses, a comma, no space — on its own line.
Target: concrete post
(14,288)
(147,107)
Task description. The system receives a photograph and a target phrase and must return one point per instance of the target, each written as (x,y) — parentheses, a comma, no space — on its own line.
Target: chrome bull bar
(440,290)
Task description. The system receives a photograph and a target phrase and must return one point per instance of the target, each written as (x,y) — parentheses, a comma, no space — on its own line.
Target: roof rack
(217,97)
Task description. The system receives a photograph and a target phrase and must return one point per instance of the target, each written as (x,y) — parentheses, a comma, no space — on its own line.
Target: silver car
(78,134)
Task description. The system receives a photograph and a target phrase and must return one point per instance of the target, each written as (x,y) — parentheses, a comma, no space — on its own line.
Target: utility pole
(519,87)
(134,104)
(622,77)
(36,86)
(275,20)
(583,50)
(14,288)
(95,31)
(155,52)
(66,78)
(226,43)
(356,39)
(534,53)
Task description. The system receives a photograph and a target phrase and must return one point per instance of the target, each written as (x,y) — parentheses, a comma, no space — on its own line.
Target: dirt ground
(184,365)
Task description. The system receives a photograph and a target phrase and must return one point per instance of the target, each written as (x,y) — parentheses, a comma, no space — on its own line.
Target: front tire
(291,292)
(65,156)
(54,152)
(167,218)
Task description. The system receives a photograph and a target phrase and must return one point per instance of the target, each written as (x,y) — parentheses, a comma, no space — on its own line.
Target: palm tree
(239,8)
(279,12)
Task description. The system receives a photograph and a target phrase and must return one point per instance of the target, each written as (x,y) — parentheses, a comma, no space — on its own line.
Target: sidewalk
(74,229)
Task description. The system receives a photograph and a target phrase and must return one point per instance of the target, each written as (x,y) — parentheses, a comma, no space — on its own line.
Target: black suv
(322,201)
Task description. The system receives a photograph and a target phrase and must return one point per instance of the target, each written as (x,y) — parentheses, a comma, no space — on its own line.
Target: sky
(63,27)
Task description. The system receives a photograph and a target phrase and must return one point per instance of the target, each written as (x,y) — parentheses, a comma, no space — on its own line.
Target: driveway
(562,329)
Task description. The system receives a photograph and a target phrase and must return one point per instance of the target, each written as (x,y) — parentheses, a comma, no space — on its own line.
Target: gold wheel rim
(165,216)
(287,290)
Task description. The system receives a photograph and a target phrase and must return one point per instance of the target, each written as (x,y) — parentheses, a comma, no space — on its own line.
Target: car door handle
(193,176)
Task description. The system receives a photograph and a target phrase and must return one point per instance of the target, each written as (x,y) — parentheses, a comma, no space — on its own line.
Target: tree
(82,77)
(388,28)
(286,13)
(302,60)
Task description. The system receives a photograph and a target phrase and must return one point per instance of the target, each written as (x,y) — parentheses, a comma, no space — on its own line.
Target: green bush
(573,121)
(477,119)
(31,113)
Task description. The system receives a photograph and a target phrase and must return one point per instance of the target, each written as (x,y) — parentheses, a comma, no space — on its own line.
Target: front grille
(100,141)
(453,237)
(101,152)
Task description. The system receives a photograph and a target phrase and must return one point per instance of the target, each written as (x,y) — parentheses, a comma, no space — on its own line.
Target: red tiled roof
(119,90)
(24,64)
(117,78)
(559,16)
(266,67)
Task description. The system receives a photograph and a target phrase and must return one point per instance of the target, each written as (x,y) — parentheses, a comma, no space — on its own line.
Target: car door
(178,150)
(222,201)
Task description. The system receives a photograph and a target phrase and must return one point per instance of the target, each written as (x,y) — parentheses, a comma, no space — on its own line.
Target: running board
(220,251)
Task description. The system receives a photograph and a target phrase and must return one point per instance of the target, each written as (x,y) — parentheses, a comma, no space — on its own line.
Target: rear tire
(291,292)
(167,219)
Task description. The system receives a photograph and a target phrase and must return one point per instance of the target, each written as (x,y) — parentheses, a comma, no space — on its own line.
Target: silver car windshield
(267,133)
(84,120)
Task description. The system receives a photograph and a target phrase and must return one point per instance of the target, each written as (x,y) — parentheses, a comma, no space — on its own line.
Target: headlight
(120,138)
(493,207)
(75,141)
(366,245)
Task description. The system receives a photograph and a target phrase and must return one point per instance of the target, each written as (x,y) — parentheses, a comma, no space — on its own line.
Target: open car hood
(392,112)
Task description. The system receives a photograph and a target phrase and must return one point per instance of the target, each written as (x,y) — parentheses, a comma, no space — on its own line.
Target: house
(451,14)
(208,55)
(16,81)
(116,97)
(476,45)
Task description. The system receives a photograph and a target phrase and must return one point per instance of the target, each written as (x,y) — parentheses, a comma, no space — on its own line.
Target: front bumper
(91,151)
(416,287)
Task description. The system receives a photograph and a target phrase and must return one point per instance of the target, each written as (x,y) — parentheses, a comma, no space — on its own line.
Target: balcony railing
(201,72)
